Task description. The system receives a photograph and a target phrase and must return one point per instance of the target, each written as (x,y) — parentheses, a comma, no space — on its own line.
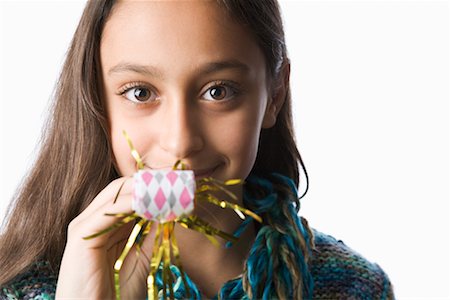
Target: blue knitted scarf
(277,241)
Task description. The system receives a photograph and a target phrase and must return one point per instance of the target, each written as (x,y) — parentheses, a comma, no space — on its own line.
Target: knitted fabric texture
(37,283)
(338,273)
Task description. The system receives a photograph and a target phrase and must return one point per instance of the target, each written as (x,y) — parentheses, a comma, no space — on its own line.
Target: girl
(206,82)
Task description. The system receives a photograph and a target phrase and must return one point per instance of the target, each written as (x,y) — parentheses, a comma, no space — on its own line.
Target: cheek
(243,154)
(238,139)
(122,152)
(121,149)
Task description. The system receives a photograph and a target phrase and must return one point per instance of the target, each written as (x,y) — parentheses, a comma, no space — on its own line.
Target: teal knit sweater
(338,273)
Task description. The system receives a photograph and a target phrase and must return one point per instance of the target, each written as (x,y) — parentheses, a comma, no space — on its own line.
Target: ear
(277,97)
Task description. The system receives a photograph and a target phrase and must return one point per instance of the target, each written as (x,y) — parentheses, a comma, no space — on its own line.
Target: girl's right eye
(138,94)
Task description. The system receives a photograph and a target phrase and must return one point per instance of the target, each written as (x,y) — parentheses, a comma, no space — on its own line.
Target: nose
(180,133)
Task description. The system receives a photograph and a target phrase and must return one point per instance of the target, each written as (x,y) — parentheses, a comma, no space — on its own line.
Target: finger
(120,236)
(108,207)
(122,185)
(98,221)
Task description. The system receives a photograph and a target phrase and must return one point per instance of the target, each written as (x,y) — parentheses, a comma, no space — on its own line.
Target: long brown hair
(75,161)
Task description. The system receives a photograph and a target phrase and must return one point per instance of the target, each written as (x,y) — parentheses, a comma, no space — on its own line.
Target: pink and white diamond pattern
(163,195)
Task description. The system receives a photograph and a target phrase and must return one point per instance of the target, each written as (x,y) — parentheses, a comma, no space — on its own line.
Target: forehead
(175,35)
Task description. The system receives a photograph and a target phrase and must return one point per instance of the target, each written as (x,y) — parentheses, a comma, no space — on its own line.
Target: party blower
(162,198)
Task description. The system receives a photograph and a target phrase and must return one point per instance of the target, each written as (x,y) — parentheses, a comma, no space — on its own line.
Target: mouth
(202,173)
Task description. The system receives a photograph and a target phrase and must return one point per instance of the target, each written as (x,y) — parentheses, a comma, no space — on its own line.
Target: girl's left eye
(220,92)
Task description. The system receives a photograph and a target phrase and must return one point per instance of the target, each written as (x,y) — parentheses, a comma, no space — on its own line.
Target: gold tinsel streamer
(165,244)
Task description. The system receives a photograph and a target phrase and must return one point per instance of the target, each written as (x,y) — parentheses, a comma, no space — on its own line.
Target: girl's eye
(219,92)
(138,94)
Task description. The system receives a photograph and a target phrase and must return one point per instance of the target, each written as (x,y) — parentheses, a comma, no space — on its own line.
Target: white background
(370,84)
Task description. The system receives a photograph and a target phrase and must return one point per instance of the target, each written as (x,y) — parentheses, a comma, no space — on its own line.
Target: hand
(87,266)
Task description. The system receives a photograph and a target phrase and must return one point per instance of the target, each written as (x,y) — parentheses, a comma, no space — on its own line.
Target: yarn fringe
(277,266)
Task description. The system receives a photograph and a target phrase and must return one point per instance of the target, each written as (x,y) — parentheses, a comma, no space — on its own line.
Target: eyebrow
(153,71)
(135,68)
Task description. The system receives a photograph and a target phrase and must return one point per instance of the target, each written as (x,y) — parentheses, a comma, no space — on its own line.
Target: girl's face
(185,82)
